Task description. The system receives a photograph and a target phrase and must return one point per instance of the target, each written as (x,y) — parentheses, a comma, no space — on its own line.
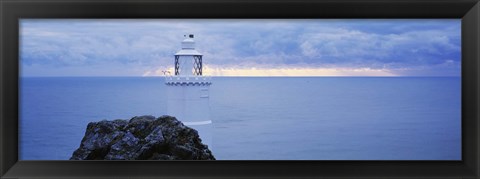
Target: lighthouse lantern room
(188,91)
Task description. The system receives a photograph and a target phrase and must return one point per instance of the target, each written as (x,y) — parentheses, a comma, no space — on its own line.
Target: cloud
(147,45)
(345,47)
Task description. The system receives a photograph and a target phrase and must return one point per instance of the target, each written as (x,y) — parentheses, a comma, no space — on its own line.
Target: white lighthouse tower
(188,91)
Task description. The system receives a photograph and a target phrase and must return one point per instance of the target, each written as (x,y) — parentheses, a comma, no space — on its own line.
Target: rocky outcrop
(141,138)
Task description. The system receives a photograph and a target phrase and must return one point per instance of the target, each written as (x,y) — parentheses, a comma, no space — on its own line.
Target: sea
(261,118)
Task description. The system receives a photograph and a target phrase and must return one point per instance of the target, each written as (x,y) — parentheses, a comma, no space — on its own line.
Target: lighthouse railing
(186,80)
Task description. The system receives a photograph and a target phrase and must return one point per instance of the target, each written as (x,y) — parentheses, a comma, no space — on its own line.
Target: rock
(141,138)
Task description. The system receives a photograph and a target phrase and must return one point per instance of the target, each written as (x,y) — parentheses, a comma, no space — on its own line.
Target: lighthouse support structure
(188,91)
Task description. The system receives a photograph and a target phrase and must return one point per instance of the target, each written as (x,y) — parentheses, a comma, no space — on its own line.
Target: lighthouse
(188,91)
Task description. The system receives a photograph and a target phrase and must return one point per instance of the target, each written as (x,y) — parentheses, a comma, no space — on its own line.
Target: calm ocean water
(311,118)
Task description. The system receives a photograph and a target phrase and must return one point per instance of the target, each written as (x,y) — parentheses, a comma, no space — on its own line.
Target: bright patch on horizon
(287,72)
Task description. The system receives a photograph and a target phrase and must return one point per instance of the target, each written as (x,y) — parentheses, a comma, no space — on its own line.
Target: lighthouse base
(188,101)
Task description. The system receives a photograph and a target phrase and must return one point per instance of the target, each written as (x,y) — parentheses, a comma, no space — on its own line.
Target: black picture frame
(13,10)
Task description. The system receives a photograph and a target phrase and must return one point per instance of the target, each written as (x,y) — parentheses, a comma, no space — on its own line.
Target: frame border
(12,10)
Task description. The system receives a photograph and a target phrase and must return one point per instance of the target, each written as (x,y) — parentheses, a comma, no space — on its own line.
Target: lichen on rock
(141,138)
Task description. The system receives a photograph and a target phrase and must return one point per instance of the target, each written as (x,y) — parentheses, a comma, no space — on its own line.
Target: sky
(242,47)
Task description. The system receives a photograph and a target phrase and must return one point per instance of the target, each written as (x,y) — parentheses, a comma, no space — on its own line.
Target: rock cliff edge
(141,138)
